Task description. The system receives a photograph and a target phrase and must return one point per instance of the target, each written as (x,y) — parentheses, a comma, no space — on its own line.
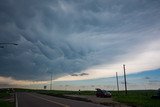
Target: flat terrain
(106,101)
(134,98)
(38,100)
(6,98)
(139,98)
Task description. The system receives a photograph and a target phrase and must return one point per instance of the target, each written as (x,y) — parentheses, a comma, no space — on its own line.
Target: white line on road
(16,100)
(63,105)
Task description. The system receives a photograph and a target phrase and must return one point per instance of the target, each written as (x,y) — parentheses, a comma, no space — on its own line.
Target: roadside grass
(5,104)
(3,96)
(58,92)
(137,98)
(134,98)
(63,94)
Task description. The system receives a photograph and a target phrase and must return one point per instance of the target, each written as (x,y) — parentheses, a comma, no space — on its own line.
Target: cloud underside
(67,37)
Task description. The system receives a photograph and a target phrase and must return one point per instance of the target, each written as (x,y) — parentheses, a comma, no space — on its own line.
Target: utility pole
(51,82)
(117,81)
(124,68)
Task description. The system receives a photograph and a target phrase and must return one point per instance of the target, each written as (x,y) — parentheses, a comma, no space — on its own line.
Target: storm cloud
(66,37)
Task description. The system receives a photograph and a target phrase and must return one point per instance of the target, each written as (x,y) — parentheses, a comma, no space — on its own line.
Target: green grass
(69,92)
(3,95)
(5,104)
(134,98)
(137,98)
(58,92)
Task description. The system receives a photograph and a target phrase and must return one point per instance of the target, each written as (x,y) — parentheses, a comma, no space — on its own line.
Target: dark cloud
(81,74)
(74,75)
(64,37)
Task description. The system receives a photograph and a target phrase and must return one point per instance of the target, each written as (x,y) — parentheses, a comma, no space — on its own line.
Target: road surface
(25,99)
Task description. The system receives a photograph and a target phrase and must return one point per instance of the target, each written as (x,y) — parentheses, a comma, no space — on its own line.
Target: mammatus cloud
(67,37)
(143,59)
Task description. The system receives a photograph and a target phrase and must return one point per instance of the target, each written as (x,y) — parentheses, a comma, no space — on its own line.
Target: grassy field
(3,96)
(139,98)
(5,104)
(59,92)
(133,98)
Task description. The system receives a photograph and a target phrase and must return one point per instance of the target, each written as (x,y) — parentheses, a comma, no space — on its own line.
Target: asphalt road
(38,100)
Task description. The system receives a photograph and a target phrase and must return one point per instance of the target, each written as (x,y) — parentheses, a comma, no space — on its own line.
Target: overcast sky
(68,38)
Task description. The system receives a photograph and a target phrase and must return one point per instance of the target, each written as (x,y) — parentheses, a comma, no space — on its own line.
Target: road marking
(16,100)
(64,105)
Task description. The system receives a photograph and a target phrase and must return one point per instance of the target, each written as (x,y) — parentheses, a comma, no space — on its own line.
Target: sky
(81,43)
